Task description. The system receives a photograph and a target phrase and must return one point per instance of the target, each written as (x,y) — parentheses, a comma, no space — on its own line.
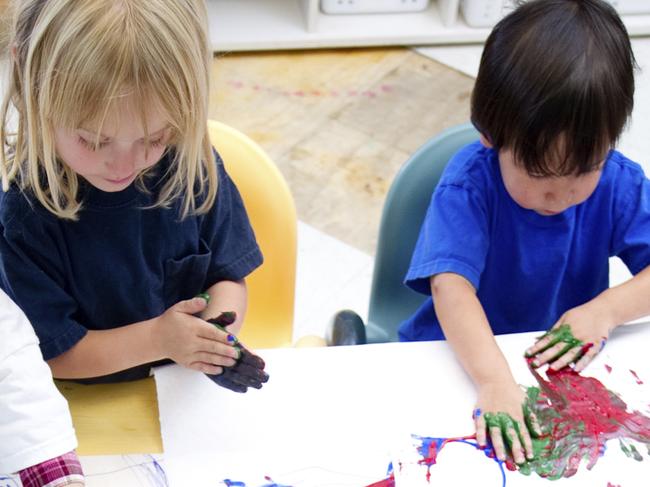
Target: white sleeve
(35,422)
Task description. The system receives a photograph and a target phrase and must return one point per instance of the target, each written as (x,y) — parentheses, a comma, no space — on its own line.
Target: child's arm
(466,328)
(227,296)
(37,438)
(176,334)
(591,323)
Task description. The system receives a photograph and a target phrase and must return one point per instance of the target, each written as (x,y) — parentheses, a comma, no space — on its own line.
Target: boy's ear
(486,142)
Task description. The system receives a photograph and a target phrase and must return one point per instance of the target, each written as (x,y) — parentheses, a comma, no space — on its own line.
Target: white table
(337,416)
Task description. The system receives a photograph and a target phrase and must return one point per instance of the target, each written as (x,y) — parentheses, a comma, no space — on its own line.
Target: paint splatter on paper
(579,415)
(237,483)
(636,377)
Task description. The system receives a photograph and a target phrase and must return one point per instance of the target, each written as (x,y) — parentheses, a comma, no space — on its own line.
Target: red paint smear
(570,400)
(609,484)
(636,377)
(608,368)
(430,457)
(389,482)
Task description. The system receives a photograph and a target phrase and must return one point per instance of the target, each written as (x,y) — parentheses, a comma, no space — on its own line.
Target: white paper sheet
(335,416)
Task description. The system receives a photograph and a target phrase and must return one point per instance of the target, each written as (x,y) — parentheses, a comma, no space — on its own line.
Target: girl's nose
(122,163)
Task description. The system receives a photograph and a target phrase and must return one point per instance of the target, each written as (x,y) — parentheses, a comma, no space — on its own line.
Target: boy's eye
(91,145)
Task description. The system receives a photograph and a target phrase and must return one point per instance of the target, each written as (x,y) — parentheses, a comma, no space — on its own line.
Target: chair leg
(346,328)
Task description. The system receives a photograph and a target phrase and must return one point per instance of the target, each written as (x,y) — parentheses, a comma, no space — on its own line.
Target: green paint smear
(505,423)
(631,451)
(577,415)
(563,334)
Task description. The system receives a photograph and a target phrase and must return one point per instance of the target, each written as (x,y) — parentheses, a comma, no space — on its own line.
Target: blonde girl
(115,210)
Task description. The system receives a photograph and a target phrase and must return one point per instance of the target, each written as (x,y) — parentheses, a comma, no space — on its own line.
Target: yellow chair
(270,207)
(113,419)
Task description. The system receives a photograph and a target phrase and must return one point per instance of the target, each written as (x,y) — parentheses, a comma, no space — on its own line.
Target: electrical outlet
(372,6)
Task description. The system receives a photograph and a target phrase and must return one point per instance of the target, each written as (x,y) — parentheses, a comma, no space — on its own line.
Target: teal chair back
(391,302)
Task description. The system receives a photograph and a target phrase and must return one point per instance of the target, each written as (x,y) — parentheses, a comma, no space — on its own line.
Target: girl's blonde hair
(74,59)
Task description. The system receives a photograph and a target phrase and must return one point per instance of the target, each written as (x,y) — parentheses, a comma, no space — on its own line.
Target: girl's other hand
(577,337)
(501,415)
(193,342)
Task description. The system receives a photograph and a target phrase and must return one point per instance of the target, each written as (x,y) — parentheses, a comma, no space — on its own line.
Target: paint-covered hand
(578,336)
(179,334)
(503,415)
(248,371)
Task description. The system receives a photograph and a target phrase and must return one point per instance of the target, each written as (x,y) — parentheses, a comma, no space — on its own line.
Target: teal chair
(391,302)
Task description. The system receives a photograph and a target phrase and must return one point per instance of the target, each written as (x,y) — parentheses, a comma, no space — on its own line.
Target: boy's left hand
(577,337)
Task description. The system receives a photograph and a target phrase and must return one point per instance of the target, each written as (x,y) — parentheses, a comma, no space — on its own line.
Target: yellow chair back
(270,207)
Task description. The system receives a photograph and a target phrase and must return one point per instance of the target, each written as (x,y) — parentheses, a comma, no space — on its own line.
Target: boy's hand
(191,342)
(248,371)
(501,415)
(578,336)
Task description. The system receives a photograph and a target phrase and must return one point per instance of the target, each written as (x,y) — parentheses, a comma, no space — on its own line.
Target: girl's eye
(156,143)
(91,145)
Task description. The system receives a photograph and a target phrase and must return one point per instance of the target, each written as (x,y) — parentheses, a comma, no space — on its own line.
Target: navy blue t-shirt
(120,262)
(528,269)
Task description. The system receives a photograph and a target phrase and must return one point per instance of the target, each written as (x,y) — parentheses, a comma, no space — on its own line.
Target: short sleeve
(631,236)
(32,274)
(227,231)
(453,238)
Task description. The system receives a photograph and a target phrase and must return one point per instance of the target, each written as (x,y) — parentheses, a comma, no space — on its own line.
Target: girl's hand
(191,341)
(502,414)
(577,337)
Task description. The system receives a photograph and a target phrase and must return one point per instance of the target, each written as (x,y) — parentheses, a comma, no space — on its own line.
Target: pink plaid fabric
(53,473)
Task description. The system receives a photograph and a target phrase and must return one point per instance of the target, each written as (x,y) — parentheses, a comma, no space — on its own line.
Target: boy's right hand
(500,414)
(191,342)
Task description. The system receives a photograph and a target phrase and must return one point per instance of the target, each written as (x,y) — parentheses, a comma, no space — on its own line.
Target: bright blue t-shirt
(528,269)
(121,262)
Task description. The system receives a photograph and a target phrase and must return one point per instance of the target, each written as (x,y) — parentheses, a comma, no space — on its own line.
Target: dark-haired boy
(522,224)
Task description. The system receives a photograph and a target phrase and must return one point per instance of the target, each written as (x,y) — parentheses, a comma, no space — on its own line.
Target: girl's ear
(14,51)
(486,142)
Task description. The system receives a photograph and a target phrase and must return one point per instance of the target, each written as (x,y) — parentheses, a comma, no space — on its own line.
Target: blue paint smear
(427,441)
(160,475)
(236,483)
(7,482)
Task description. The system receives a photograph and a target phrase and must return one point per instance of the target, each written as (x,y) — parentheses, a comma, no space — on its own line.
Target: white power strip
(372,6)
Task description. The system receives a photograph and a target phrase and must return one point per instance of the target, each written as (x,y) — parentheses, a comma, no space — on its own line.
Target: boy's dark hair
(556,79)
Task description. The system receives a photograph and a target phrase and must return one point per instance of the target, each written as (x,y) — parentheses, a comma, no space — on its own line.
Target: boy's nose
(562,198)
